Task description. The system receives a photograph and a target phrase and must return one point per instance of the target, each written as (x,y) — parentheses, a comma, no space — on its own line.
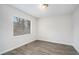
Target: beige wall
(56,29)
(9,41)
(75,18)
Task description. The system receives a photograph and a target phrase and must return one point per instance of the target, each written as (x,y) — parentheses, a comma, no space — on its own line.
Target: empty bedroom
(39,29)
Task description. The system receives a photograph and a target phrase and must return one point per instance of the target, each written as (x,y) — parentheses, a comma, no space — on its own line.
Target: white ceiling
(52,10)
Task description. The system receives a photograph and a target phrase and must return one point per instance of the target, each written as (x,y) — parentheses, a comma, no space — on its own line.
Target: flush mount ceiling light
(44,6)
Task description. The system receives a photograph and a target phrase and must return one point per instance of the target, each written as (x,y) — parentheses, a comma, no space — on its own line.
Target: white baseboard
(76,48)
(16,47)
(45,39)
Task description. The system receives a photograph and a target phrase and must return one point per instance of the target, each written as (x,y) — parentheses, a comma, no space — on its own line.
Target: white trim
(44,39)
(76,48)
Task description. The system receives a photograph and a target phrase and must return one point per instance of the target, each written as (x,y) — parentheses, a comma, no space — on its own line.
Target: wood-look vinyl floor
(43,48)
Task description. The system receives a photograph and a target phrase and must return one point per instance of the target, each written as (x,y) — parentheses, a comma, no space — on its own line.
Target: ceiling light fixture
(44,6)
